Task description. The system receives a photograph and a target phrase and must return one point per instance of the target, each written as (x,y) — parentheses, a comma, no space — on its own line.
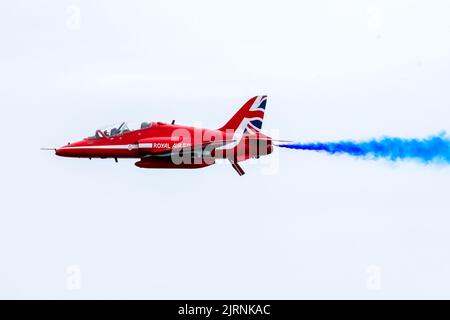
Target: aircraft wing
(195,150)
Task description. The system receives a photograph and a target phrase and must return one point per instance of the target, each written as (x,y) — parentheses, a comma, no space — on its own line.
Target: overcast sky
(298,224)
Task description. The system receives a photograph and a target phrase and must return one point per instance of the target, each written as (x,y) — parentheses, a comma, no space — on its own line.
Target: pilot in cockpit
(120,129)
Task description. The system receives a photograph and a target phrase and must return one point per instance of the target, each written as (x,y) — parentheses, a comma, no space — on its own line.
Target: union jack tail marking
(249,118)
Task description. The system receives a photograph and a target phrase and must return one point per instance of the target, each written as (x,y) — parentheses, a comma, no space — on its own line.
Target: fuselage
(157,141)
(157,137)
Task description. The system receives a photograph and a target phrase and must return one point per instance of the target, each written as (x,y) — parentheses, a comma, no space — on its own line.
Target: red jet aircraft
(162,145)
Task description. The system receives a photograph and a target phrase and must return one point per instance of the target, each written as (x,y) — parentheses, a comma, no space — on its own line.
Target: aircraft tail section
(249,118)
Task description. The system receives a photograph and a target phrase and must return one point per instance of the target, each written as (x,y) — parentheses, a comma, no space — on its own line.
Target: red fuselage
(157,143)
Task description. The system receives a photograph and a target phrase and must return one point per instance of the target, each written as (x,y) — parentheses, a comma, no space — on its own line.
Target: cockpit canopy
(117,129)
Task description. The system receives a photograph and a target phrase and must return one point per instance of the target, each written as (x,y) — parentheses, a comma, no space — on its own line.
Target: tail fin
(249,118)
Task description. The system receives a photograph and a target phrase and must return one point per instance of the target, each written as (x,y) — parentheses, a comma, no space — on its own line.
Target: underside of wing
(195,150)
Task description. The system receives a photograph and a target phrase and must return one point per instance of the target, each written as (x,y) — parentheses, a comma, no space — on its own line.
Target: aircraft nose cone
(60,151)
(63,151)
(71,149)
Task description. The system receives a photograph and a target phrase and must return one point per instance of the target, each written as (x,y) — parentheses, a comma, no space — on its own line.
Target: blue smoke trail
(434,149)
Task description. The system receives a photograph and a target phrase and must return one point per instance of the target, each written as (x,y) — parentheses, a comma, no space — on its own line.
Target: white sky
(317,227)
